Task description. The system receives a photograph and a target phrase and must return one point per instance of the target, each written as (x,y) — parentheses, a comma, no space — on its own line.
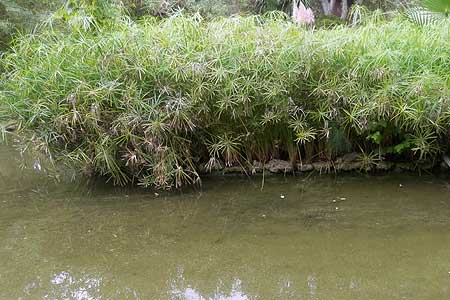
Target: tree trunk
(332,5)
(344,11)
(326,7)
(339,8)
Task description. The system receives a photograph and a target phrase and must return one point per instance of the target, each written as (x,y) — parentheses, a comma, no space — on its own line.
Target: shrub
(207,8)
(22,15)
(154,102)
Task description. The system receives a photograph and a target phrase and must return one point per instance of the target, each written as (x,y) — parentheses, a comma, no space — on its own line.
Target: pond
(318,237)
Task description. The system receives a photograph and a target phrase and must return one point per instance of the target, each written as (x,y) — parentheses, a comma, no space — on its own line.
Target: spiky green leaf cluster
(157,101)
(428,11)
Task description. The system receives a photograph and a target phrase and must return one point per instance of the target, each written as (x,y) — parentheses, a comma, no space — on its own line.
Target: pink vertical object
(301,14)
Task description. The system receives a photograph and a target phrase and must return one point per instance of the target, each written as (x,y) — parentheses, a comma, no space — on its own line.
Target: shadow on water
(329,237)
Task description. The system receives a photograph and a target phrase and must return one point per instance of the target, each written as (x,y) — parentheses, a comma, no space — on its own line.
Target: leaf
(421,17)
(399,148)
(439,6)
(375,137)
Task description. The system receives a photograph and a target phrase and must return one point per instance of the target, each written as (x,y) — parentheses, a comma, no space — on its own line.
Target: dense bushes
(155,102)
(22,15)
(25,15)
(207,8)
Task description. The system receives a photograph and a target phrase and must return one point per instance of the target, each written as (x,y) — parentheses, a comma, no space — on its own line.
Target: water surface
(318,237)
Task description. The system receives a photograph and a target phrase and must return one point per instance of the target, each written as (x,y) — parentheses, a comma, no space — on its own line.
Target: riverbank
(347,163)
(157,102)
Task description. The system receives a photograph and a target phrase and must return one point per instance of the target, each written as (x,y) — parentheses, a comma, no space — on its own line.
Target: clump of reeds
(154,102)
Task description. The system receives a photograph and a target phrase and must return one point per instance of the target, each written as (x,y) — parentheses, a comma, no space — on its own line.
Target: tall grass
(154,102)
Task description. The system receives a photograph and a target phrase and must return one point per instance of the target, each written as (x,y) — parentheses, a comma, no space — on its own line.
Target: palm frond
(438,6)
(421,16)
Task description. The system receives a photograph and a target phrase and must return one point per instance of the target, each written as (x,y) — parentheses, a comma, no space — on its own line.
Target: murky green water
(346,237)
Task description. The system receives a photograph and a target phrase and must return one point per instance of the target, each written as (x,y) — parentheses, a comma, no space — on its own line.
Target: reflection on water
(181,290)
(346,237)
(66,286)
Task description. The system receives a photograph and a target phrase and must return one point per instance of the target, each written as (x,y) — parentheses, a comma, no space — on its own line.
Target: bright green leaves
(375,137)
(439,6)
(90,14)
(431,11)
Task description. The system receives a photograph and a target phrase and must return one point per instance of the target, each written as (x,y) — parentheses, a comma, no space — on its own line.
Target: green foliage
(153,102)
(88,14)
(439,6)
(207,8)
(25,15)
(428,11)
(329,22)
(22,15)
(211,8)
(368,160)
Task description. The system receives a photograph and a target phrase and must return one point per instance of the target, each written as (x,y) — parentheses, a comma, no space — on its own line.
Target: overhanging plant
(429,11)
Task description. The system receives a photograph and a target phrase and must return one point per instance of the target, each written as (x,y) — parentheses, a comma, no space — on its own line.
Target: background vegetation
(156,101)
(24,15)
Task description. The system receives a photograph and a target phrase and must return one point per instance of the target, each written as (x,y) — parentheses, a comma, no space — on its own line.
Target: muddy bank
(351,162)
